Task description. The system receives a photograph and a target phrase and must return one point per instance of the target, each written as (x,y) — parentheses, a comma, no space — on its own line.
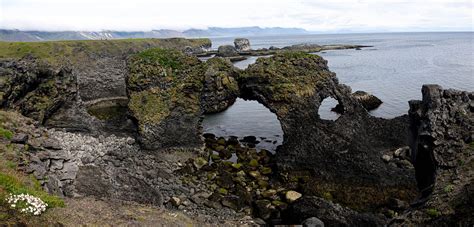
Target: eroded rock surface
(164,88)
(342,157)
(227,51)
(242,44)
(35,88)
(220,85)
(442,126)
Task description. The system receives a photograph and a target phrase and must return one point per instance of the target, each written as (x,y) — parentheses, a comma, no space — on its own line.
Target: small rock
(313,222)
(175,201)
(199,162)
(292,196)
(386,158)
(20,138)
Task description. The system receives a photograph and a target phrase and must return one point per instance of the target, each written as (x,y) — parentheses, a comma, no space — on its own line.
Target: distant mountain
(17,35)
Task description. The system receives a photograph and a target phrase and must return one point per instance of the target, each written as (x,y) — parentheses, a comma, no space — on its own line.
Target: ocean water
(394,70)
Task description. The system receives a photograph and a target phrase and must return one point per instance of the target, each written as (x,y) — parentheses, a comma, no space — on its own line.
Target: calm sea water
(394,70)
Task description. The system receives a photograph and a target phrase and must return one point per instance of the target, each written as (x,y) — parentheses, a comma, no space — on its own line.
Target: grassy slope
(13,180)
(60,51)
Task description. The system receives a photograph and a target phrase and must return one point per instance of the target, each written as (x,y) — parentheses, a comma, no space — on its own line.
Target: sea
(393,69)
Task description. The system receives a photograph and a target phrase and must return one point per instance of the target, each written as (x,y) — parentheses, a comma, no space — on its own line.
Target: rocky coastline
(115,120)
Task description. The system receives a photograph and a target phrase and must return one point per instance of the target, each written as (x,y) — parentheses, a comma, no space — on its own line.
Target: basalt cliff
(122,120)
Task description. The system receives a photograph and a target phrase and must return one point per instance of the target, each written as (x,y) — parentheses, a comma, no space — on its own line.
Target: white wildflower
(28,203)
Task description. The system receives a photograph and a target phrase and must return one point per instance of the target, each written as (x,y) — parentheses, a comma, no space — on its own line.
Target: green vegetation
(163,80)
(432,212)
(12,180)
(449,188)
(7,134)
(288,77)
(57,51)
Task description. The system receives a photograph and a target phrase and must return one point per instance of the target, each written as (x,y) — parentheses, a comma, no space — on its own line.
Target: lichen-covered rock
(343,156)
(220,86)
(442,133)
(368,101)
(227,51)
(164,87)
(35,88)
(242,44)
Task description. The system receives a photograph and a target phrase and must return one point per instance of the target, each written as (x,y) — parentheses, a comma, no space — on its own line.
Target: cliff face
(442,141)
(70,76)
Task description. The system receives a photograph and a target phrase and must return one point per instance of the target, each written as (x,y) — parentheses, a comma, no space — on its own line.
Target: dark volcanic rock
(220,86)
(368,101)
(227,51)
(164,87)
(35,88)
(442,132)
(242,44)
(331,214)
(344,155)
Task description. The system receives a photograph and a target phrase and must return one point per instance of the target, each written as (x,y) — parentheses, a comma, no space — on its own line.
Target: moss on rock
(164,88)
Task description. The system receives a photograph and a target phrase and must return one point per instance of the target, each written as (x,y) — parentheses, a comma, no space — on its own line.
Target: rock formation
(292,85)
(35,88)
(442,141)
(164,88)
(368,101)
(242,44)
(220,86)
(227,51)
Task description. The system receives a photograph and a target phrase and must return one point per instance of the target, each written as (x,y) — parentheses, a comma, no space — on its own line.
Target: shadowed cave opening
(246,118)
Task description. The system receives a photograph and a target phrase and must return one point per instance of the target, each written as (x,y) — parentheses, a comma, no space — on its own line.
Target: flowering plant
(27,204)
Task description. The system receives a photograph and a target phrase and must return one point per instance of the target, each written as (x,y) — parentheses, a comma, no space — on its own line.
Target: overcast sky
(314,15)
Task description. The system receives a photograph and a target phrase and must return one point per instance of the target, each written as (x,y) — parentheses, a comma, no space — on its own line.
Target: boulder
(242,44)
(292,196)
(20,138)
(227,51)
(329,213)
(313,222)
(368,101)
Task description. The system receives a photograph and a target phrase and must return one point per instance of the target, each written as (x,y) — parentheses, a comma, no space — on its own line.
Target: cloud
(316,15)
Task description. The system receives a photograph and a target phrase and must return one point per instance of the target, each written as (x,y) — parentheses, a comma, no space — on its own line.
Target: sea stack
(242,44)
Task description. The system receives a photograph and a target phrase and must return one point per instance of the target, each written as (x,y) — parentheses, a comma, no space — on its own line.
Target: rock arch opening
(246,120)
(326,110)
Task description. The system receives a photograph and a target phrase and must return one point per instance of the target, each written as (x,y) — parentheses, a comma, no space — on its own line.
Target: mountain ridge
(25,36)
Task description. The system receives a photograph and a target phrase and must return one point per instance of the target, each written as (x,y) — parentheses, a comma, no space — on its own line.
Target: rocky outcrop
(242,44)
(164,88)
(35,88)
(293,85)
(442,135)
(227,51)
(331,214)
(368,101)
(56,82)
(220,86)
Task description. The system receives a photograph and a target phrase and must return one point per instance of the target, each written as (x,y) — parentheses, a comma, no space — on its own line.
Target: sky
(313,15)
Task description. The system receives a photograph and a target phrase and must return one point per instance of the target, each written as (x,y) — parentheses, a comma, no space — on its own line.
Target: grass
(5,133)
(55,52)
(13,180)
(432,212)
